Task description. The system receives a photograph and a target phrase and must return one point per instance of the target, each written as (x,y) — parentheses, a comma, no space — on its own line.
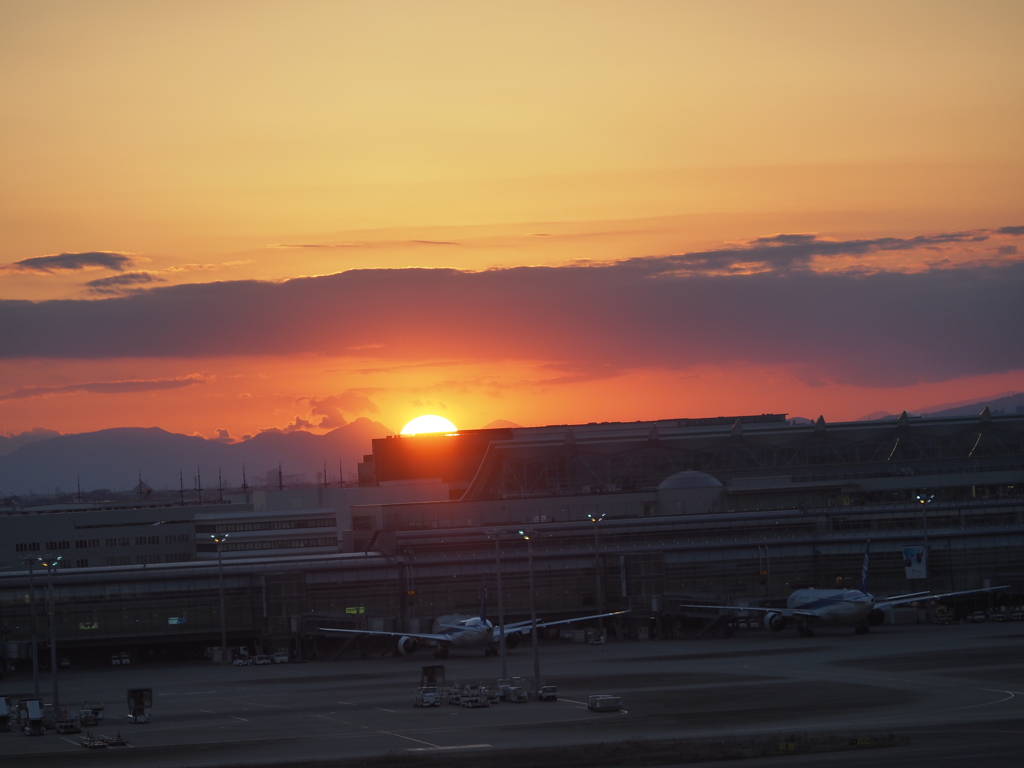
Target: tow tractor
(548,693)
(513,690)
(90,714)
(139,699)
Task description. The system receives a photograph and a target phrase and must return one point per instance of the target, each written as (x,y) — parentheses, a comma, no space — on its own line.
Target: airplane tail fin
(864,568)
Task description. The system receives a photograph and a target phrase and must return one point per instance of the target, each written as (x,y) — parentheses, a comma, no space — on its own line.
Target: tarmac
(956,692)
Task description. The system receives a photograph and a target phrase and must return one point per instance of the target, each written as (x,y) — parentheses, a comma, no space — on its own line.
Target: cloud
(224,436)
(72,262)
(298,425)
(102,387)
(353,402)
(208,267)
(365,244)
(584,321)
(1011,230)
(119,284)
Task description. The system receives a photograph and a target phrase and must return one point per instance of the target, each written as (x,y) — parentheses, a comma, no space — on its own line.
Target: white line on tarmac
(410,738)
(386,710)
(239,718)
(440,749)
(69,741)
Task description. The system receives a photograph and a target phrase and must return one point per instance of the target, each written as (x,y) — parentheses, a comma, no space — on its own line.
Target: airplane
(845,607)
(455,631)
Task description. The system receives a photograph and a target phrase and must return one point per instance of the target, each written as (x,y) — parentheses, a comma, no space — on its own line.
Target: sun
(429,424)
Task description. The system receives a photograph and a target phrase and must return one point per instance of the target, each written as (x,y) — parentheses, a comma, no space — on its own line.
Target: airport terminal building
(643,516)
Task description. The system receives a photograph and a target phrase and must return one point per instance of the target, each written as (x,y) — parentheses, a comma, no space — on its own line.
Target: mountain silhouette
(997,404)
(115,458)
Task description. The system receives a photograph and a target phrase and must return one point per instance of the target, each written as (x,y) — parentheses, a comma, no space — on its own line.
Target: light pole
(925,499)
(219,539)
(597,575)
(32,613)
(51,565)
(533,615)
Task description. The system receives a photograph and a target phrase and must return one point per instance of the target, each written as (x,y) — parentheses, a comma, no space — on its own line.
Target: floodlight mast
(597,574)
(219,539)
(925,499)
(533,613)
(51,565)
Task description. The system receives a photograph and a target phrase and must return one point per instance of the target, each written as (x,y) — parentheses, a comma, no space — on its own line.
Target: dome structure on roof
(689,479)
(690,493)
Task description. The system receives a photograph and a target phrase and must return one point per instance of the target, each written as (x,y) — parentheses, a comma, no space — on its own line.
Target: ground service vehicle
(30,717)
(263,659)
(139,699)
(548,693)
(474,696)
(242,661)
(427,696)
(977,617)
(281,657)
(602,702)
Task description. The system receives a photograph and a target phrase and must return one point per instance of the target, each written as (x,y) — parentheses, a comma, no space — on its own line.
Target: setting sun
(428,424)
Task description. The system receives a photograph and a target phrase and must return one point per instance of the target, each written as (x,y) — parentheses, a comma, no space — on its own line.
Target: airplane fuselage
(465,632)
(833,606)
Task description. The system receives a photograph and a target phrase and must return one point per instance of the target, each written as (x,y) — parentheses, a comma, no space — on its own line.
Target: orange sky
(212,143)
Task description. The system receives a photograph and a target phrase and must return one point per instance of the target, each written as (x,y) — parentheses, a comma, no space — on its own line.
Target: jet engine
(512,640)
(407,645)
(776,622)
(876,617)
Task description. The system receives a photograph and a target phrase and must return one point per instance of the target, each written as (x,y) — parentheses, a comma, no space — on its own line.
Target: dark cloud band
(102,387)
(584,321)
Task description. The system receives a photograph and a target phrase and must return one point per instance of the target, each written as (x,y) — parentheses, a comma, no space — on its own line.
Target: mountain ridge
(114,458)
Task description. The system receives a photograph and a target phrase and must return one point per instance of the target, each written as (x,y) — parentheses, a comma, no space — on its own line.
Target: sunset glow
(222,219)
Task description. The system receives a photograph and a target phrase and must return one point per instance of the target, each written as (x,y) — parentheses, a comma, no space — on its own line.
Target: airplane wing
(416,635)
(904,599)
(787,612)
(523,627)
(909,595)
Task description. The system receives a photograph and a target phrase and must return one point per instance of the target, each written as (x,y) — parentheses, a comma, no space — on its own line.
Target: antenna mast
(245,485)
(181,487)
(280,478)
(199,484)
(220,486)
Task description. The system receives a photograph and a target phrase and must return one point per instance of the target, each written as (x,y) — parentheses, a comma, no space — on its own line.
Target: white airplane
(455,631)
(845,607)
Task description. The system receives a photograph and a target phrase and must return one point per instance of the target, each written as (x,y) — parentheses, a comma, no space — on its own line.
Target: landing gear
(442,653)
(804,630)
(862,629)
(490,651)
